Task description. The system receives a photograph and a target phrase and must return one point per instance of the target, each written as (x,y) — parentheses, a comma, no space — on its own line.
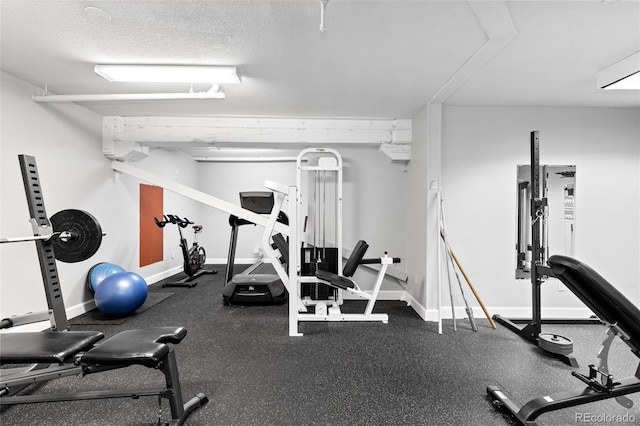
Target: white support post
(294,264)
(386,261)
(267,234)
(290,279)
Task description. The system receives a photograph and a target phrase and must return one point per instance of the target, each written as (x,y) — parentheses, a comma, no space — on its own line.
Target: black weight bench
(84,352)
(623,319)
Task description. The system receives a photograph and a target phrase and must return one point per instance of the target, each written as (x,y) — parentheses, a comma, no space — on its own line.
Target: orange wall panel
(151,241)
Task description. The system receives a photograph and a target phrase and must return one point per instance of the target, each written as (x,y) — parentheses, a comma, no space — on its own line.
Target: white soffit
(629,66)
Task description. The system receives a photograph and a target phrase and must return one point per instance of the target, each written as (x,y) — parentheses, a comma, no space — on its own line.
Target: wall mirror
(558,186)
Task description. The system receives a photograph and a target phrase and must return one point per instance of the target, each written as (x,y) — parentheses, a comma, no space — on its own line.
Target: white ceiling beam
(225,131)
(249,159)
(495,20)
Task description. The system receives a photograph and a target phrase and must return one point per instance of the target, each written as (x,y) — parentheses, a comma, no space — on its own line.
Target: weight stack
(325,258)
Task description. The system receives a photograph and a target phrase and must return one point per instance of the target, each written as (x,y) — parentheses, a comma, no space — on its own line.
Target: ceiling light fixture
(168,74)
(213,93)
(154,74)
(623,75)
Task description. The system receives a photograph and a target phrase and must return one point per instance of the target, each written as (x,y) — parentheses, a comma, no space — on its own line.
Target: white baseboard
(416,306)
(35,326)
(430,314)
(511,313)
(238,261)
(402,295)
(547,313)
(162,275)
(382,295)
(71,312)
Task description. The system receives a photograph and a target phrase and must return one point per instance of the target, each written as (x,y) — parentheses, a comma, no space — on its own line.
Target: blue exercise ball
(99,272)
(121,293)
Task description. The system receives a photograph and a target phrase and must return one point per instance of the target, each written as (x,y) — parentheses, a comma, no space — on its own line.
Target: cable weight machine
(552,343)
(315,261)
(319,171)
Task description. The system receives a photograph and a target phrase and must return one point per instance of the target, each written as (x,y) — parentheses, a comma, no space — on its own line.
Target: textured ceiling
(381,59)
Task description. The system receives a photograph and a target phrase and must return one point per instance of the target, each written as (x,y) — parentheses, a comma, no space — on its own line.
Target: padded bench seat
(45,347)
(141,346)
(342,282)
(335,279)
(146,346)
(77,355)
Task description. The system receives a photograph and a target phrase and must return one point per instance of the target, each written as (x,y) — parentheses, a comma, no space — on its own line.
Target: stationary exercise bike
(194,257)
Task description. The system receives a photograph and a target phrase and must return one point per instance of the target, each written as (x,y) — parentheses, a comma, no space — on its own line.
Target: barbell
(76,236)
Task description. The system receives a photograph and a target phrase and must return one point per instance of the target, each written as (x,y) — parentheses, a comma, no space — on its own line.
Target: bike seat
(197,228)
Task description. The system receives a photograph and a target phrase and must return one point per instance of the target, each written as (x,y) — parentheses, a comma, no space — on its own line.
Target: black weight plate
(85,239)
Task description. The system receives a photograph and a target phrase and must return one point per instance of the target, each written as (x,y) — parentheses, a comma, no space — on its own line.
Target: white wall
(482,147)
(67,143)
(226,181)
(416,212)
(180,168)
(373,206)
(383,204)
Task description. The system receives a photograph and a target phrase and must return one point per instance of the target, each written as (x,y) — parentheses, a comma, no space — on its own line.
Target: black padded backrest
(282,245)
(599,295)
(356,257)
(260,202)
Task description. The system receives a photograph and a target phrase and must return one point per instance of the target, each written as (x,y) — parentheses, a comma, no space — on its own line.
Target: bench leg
(376,289)
(179,410)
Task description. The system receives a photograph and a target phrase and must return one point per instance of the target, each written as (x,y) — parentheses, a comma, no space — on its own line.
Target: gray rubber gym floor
(400,373)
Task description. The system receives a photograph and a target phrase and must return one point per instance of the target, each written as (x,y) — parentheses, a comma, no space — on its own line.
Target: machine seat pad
(335,280)
(145,346)
(45,346)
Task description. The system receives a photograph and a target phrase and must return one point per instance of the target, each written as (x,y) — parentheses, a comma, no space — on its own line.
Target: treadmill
(259,284)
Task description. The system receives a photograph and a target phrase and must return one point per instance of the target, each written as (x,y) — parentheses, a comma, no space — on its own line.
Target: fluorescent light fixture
(168,74)
(623,75)
(213,93)
(128,97)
